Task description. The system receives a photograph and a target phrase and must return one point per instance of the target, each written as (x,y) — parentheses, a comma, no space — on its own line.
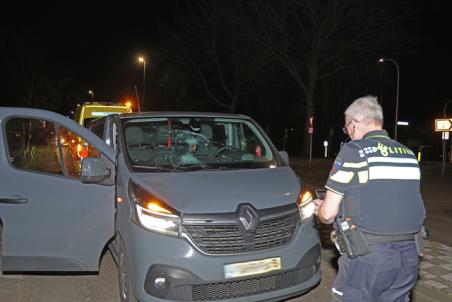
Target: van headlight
(152,213)
(305,205)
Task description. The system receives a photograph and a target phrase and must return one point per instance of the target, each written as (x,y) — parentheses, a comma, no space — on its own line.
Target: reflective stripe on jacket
(380,181)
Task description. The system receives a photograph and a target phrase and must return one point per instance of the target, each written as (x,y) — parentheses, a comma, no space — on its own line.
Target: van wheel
(125,288)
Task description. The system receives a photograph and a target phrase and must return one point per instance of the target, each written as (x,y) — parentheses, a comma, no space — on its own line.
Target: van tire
(125,286)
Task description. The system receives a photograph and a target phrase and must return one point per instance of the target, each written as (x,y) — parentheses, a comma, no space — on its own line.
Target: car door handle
(13,200)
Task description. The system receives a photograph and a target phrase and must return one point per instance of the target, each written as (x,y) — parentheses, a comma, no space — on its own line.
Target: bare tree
(315,39)
(211,50)
(25,68)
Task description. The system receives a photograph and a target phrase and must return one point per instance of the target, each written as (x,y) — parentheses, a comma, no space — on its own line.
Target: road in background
(435,282)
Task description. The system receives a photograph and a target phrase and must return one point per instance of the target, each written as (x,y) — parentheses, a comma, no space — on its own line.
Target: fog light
(161,283)
(169,283)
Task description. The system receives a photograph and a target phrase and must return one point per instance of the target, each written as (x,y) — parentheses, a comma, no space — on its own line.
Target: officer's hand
(318,204)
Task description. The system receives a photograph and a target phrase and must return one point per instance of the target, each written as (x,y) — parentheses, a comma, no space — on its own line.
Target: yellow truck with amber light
(88,112)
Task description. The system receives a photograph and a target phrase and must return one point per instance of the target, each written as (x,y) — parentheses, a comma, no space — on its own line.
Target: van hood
(201,192)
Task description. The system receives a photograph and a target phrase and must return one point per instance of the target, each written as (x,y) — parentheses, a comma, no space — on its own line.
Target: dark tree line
(27,77)
(225,47)
(280,61)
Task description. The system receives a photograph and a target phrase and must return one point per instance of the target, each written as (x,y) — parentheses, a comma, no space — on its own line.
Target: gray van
(193,206)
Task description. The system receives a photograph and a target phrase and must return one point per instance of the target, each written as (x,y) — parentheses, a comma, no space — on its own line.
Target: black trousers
(386,274)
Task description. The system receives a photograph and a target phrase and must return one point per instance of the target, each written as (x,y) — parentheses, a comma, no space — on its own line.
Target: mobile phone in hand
(320,193)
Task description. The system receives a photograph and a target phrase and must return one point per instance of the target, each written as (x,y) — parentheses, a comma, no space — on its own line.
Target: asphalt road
(437,192)
(103,287)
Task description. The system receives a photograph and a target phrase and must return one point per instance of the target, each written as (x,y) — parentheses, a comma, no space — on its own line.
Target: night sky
(425,77)
(97,48)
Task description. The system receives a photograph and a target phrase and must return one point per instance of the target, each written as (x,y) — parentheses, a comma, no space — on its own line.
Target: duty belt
(376,239)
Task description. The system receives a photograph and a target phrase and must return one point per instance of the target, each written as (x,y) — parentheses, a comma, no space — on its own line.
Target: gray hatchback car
(193,206)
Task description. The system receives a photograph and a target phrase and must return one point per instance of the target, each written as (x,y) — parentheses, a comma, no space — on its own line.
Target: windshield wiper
(156,167)
(224,168)
(191,167)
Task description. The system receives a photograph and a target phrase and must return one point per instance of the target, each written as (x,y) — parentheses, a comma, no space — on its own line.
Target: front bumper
(183,285)
(191,275)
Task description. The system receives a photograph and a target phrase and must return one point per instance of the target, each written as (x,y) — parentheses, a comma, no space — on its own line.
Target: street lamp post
(142,60)
(444,141)
(445,106)
(92,94)
(397,95)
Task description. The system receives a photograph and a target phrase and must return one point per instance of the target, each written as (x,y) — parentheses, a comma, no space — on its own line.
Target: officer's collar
(376,134)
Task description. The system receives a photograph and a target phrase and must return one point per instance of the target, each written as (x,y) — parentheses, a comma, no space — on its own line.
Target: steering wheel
(226,148)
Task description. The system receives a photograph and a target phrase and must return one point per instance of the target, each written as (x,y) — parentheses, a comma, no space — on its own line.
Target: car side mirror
(285,156)
(94,170)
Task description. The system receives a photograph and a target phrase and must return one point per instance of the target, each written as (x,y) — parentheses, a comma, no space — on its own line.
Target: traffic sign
(310,130)
(443,125)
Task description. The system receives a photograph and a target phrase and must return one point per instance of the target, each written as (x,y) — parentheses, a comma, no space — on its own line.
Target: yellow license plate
(255,267)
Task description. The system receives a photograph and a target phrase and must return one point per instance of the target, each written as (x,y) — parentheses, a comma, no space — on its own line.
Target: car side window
(97,129)
(73,150)
(43,146)
(33,145)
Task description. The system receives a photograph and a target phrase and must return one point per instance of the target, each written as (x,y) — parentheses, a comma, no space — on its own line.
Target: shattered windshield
(195,143)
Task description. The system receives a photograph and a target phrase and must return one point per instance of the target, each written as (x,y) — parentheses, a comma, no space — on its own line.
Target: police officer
(374,187)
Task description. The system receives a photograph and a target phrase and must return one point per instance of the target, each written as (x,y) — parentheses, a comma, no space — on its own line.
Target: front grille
(250,286)
(215,238)
(275,232)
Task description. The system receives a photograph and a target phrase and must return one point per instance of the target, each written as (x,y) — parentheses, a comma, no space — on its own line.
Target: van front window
(195,143)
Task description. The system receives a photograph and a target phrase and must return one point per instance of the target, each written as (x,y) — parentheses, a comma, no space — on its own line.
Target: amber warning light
(82,151)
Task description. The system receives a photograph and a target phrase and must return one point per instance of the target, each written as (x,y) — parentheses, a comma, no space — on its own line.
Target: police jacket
(379,180)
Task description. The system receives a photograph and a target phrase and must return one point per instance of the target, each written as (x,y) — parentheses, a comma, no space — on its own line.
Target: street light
(92,94)
(444,140)
(142,60)
(382,60)
(445,106)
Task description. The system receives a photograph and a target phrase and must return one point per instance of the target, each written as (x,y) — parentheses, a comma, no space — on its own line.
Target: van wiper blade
(191,167)
(156,167)
(224,168)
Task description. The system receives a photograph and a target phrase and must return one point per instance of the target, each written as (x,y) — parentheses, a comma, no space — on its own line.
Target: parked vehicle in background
(89,111)
(193,206)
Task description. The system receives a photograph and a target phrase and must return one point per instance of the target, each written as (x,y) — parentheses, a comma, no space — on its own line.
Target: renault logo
(248,217)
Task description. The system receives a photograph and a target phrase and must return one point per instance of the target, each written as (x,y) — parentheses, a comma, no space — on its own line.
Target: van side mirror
(285,156)
(94,170)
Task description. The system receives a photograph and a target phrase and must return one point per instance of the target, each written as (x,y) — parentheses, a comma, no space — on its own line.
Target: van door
(51,220)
